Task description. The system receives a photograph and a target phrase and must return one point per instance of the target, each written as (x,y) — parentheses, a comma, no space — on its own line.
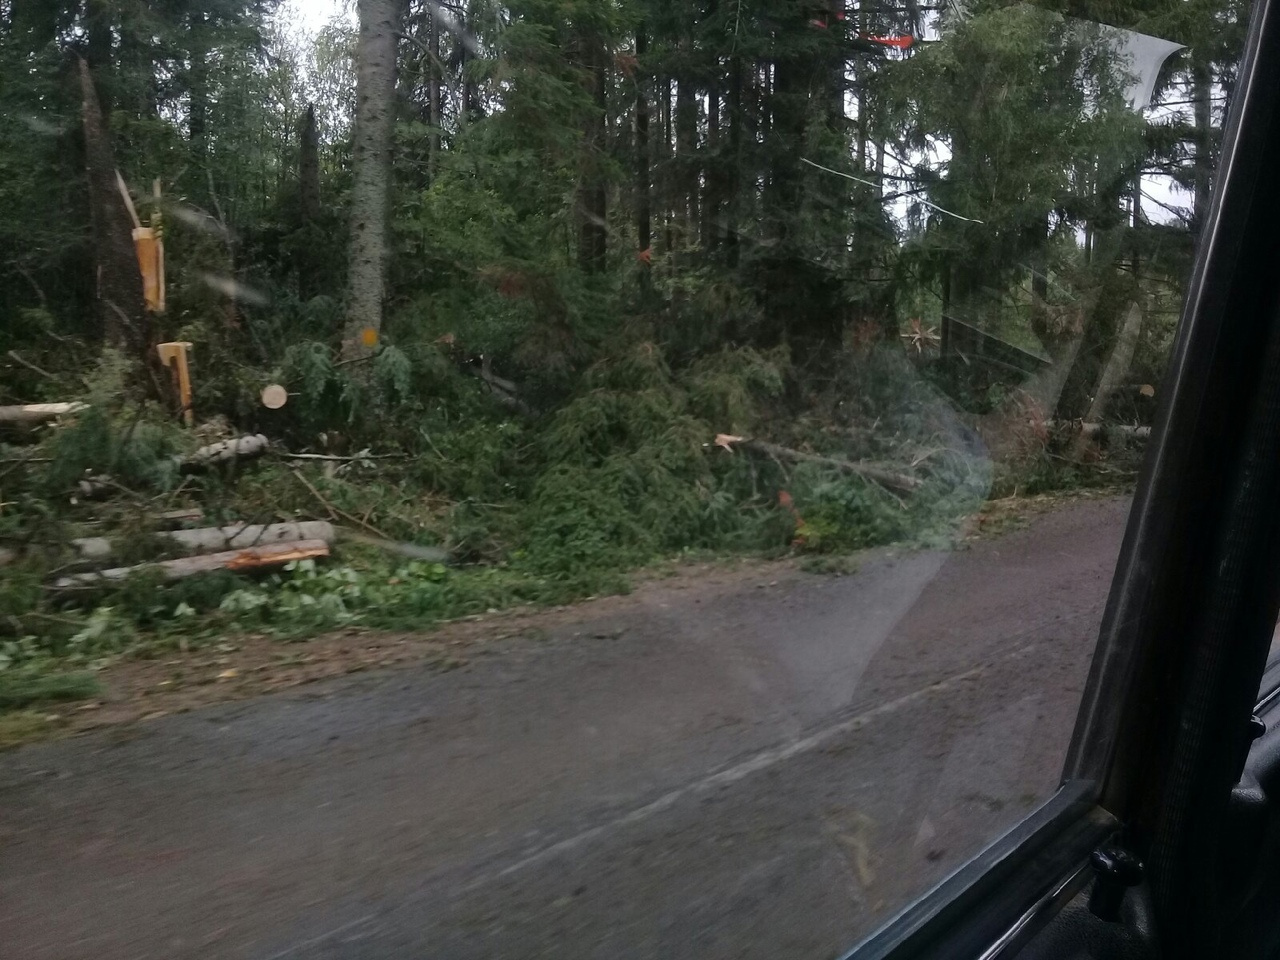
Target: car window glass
(562,477)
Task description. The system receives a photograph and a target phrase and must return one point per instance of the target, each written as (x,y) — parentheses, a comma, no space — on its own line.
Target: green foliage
(134,451)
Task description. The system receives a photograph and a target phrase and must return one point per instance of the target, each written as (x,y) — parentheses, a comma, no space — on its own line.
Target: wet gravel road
(759,766)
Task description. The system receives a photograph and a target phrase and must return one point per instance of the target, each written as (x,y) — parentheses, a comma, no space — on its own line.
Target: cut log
(237,561)
(1118,429)
(885,476)
(39,412)
(212,539)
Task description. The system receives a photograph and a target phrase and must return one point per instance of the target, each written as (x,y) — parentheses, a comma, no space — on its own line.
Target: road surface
(763,765)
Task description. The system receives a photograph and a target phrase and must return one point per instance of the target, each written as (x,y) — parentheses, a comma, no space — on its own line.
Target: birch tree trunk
(371,176)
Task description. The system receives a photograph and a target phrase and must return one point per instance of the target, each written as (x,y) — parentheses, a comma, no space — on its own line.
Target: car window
(562,478)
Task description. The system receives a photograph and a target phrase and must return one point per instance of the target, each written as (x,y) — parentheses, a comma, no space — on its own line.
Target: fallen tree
(224,451)
(213,539)
(236,561)
(30,413)
(883,475)
(1095,428)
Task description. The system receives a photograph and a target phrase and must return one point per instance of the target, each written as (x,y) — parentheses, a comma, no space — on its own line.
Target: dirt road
(759,765)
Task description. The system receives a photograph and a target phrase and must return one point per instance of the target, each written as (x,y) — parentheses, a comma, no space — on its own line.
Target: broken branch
(335,512)
(14,356)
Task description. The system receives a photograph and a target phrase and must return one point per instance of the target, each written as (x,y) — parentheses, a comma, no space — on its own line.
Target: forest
(506,301)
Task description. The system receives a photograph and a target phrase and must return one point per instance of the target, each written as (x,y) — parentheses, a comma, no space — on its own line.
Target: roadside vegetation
(615,300)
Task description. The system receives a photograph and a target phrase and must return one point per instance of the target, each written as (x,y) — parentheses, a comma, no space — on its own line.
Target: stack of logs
(237,547)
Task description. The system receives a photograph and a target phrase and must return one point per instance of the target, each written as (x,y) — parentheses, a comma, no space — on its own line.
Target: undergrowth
(532,507)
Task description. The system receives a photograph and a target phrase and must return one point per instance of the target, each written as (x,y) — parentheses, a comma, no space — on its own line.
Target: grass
(22,688)
(833,565)
(23,726)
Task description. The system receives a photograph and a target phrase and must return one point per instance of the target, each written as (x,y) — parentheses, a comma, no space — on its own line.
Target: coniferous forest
(496,303)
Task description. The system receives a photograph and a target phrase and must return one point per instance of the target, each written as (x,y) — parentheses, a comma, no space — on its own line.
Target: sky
(314,14)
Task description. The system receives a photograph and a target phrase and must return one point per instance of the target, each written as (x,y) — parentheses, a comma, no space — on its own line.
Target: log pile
(239,547)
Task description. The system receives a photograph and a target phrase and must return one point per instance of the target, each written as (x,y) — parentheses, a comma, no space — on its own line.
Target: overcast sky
(314,14)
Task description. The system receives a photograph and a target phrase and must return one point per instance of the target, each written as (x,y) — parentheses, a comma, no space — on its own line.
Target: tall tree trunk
(593,227)
(1201,91)
(308,200)
(686,123)
(787,104)
(734,117)
(371,176)
(198,87)
(713,190)
(1034,238)
(433,98)
(119,286)
(98,51)
(470,98)
(711,168)
(309,166)
(668,192)
(644,226)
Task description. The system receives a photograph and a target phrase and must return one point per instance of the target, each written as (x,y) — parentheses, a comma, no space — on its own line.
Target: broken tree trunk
(1113,373)
(237,536)
(39,412)
(236,561)
(884,476)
